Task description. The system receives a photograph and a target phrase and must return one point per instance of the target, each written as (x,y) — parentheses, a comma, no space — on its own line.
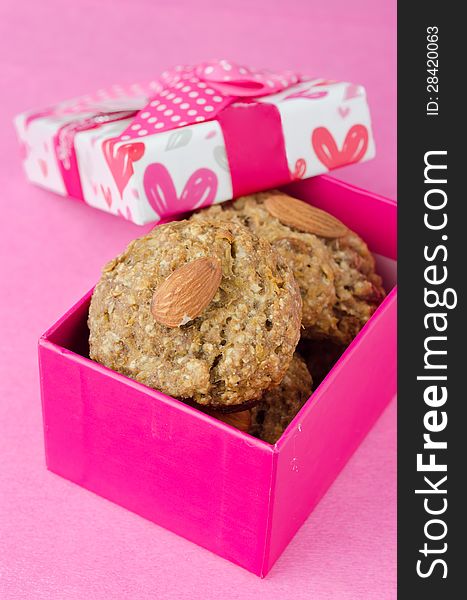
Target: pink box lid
(196,136)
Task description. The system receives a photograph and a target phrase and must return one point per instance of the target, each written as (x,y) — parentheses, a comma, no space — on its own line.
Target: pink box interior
(194,475)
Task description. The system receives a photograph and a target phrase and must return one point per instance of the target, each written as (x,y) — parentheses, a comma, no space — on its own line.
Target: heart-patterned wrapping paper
(218,134)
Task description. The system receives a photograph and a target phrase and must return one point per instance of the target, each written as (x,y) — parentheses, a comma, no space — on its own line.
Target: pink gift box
(221,488)
(150,151)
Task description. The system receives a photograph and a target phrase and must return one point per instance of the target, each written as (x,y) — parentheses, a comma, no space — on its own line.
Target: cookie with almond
(198,310)
(332,265)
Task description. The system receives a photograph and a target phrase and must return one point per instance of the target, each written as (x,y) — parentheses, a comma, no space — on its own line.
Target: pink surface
(57,540)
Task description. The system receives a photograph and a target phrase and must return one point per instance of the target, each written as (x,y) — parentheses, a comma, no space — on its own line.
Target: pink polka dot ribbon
(195,94)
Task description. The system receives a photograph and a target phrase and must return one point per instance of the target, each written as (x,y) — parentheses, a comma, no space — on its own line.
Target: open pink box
(194,475)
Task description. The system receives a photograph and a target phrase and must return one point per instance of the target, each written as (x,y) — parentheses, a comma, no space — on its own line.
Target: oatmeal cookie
(359,289)
(278,406)
(339,287)
(239,346)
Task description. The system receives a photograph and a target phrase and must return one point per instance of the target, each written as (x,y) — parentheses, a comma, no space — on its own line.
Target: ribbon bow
(188,95)
(181,97)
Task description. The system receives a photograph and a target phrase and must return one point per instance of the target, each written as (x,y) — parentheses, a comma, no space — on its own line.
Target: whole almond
(241,420)
(302,216)
(187,291)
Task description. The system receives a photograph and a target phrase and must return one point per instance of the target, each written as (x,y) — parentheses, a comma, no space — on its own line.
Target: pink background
(56,539)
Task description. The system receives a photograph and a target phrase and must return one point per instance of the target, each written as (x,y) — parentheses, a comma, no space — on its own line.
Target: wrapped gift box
(194,475)
(199,135)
